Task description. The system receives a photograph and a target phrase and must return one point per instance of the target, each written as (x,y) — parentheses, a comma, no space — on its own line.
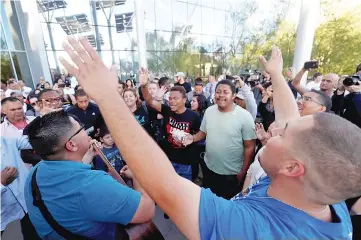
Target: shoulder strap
(38,202)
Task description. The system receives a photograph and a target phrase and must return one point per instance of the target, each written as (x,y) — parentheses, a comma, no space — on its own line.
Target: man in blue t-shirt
(312,166)
(86,202)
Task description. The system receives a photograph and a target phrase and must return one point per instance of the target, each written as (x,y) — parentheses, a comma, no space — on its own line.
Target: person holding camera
(327,84)
(350,104)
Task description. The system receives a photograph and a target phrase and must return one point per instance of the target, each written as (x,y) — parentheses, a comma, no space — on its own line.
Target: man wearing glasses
(85,202)
(314,101)
(49,99)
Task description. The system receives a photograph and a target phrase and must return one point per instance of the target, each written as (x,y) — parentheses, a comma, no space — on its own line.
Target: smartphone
(62,85)
(311,65)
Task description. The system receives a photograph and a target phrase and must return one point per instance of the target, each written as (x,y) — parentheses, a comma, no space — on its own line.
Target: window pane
(6,69)
(11,26)
(22,67)
(3,44)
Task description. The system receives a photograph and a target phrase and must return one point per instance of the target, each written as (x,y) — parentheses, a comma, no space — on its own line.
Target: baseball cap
(240,95)
(180,74)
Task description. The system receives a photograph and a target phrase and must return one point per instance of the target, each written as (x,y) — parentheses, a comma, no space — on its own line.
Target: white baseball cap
(180,74)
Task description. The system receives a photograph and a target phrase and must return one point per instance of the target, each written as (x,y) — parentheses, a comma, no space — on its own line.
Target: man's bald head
(329,82)
(328,149)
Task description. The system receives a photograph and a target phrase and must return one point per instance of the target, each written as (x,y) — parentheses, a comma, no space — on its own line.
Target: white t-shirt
(313,85)
(255,171)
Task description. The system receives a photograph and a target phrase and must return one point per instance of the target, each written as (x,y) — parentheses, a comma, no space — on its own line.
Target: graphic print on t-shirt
(174,124)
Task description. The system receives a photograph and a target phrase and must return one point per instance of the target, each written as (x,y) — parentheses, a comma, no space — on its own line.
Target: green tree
(337,44)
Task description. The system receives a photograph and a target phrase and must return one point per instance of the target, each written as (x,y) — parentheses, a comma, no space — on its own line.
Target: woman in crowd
(199,104)
(265,107)
(47,85)
(139,110)
(129,83)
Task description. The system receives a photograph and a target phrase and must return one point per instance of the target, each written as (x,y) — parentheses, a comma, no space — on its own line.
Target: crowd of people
(241,157)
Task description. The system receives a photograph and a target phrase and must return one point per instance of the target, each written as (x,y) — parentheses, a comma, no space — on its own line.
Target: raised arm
(296,82)
(156,175)
(143,81)
(282,94)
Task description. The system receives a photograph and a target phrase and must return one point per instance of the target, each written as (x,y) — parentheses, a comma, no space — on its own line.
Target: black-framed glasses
(309,99)
(82,126)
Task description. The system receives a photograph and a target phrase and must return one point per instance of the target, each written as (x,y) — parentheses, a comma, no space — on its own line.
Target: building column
(139,18)
(308,21)
(28,16)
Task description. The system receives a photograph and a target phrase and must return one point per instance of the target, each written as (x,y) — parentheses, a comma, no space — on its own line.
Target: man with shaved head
(327,85)
(312,167)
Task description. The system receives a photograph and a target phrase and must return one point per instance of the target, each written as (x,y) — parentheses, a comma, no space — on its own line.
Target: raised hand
(47,108)
(261,133)
(91,153)
(160,92)
(96,79)
(275,64)
(8,175)
(143,76)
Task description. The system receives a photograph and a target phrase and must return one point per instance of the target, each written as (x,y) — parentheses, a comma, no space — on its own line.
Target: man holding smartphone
(327,85)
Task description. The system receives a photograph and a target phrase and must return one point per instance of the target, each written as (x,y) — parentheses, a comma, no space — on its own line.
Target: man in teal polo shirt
(83,201)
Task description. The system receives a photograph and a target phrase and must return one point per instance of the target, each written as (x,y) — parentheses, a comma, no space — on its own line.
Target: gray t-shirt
(225,135)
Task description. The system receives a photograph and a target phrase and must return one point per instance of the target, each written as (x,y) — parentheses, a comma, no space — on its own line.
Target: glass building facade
(14,59)
(196,37)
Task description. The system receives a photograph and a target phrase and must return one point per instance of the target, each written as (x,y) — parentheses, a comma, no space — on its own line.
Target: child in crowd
(110,150)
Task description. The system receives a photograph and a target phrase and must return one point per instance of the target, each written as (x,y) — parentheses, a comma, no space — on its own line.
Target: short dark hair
(323,99)
(317,74)
(46,132)
(9,99)
(229,83)
(33,95)
(179,89)
(198,82)
(3,81)
(122,83)
(80,93)
(162,81)
(40,95)
(103,131)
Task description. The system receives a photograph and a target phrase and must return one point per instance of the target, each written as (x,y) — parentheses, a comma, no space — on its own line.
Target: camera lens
(348,82)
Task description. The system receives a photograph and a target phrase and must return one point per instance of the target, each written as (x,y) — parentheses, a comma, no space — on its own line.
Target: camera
(253,77)
(350,81)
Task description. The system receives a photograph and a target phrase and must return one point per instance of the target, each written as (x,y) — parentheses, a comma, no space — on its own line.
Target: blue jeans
(183,170)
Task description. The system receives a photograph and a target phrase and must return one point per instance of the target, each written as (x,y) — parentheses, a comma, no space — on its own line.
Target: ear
(71,146)
(293,168)
(323,109)
(233,96)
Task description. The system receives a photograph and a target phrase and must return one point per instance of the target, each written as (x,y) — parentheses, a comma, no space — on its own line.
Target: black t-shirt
(188,122)
(187,86)
(142,117)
